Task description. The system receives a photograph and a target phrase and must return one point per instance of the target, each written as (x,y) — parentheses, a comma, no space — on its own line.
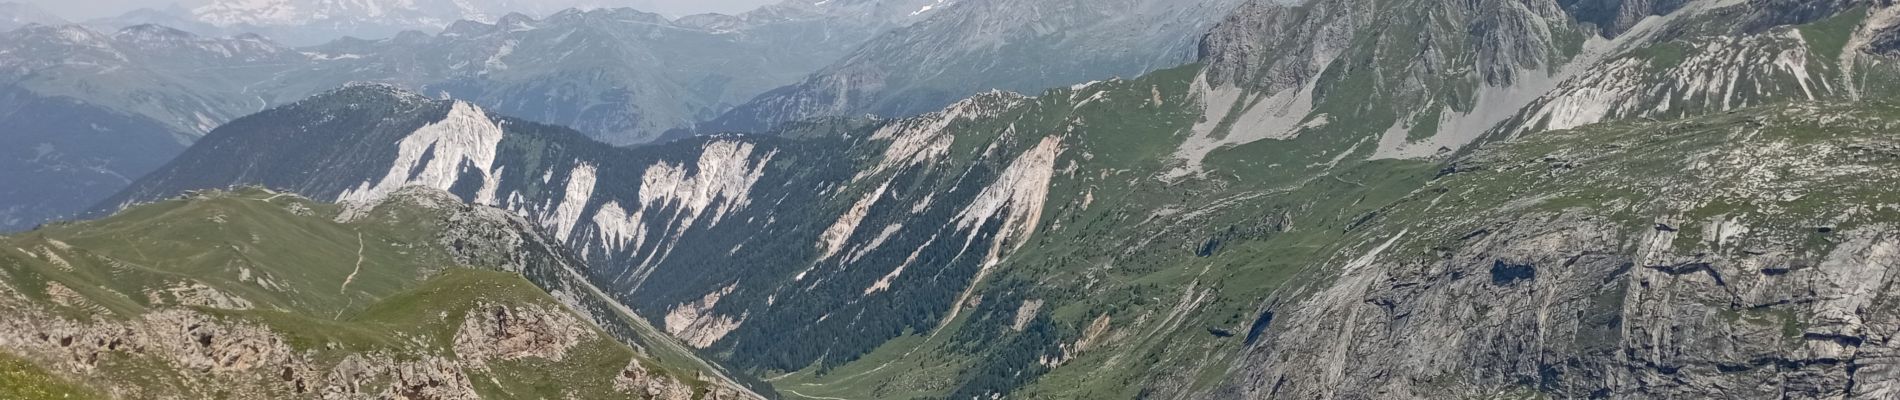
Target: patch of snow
(927,8)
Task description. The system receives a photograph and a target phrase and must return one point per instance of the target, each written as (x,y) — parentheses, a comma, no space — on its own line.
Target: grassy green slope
(255,258)
(22,380)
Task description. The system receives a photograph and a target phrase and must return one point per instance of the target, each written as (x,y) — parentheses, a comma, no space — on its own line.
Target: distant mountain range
(87,112)
(147,91)
(310,22)
(621,76)
(981,45)
(15,15)
(313,22)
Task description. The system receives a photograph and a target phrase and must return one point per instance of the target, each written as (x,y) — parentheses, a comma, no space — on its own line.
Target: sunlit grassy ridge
(384,286)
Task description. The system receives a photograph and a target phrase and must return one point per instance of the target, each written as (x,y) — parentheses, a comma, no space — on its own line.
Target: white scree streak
(722,184)
(1017,197)
(619,231)
(465,136)
(1878,20)
(917,140)
(695,323)
(1712,76)
(875,243)
(834,237)
(1270,116)
(490,187)
(581,182)
(885,282)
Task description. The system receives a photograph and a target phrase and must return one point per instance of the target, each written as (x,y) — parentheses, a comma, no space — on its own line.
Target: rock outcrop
(501,332)
(638,380)
(1749,274)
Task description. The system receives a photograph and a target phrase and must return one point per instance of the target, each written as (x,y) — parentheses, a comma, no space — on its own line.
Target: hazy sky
(79,10)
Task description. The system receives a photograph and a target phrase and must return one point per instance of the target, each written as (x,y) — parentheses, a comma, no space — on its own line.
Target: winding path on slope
(359,265)
(796,393)
(352,278)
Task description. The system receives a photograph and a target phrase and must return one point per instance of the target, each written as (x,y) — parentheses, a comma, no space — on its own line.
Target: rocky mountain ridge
(1705,283)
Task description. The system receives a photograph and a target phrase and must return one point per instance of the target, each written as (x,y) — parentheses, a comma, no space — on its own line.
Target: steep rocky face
(255,320)
(1553,265)
(1270,46)
(1505,68)
(1333,78)
(1251,45)
(1698,64)
(1577,300)
(976,46)
(636,379)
